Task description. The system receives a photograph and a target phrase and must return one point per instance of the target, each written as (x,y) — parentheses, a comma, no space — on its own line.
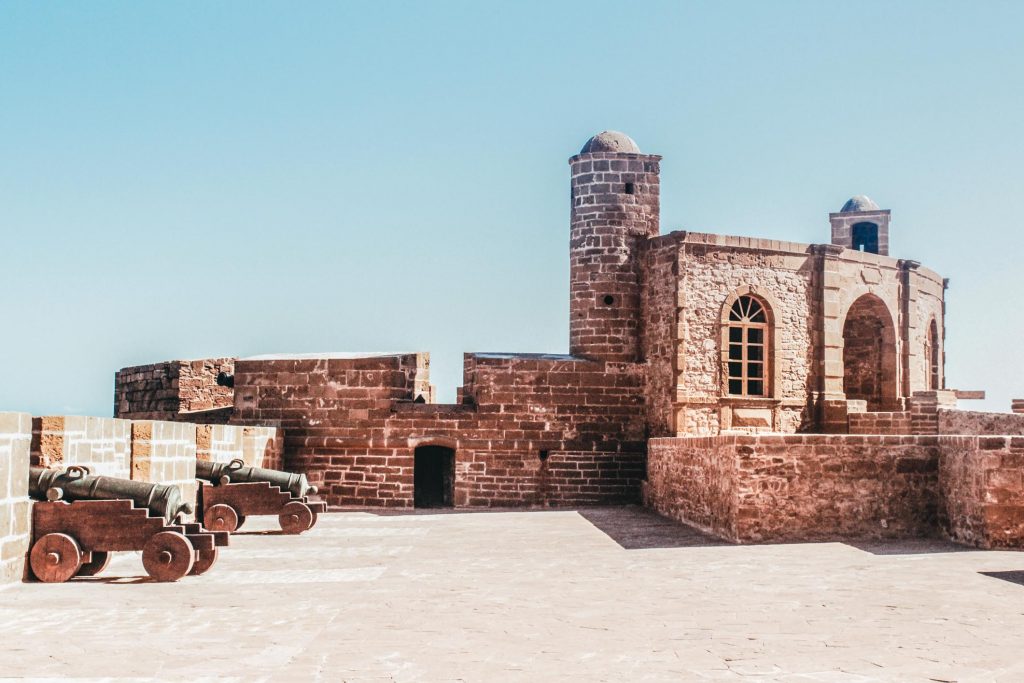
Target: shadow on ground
(909,546)
(636,528)
(1016,576)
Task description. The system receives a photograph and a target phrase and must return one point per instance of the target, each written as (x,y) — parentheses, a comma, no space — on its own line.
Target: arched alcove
(869,354)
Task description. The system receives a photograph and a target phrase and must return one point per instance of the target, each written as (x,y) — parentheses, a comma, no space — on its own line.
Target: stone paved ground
(596,595)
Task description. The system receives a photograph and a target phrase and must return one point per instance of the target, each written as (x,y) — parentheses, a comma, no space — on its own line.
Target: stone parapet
(983,490)
(165,453)
(797,487)
(101,443)
(15,507)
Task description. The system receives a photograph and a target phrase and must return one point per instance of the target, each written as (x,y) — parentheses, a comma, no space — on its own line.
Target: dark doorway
(433,477)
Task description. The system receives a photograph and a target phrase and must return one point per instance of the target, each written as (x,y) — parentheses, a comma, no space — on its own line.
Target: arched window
(931,355)
(748,360)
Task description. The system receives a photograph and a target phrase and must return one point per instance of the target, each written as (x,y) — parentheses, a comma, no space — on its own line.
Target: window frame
(747,323)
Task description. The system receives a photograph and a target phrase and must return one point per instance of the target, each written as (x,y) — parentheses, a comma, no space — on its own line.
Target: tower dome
(859,203)
(610,141)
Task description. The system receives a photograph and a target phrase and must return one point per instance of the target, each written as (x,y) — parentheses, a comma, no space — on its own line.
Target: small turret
(615,206)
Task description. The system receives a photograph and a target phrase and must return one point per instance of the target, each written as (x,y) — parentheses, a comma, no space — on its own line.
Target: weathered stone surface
(15,444)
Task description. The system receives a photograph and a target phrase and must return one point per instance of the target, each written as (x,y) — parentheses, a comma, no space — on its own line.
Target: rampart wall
(15,507)
(531,429)
(797,487)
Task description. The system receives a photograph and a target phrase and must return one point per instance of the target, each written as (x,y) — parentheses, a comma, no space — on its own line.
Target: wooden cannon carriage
(233,491)
(101,515)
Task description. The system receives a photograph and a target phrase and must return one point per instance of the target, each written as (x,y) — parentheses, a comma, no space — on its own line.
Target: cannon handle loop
(235,464)
(76,471)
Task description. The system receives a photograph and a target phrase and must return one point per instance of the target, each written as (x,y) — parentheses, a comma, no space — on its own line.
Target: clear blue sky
(190,179)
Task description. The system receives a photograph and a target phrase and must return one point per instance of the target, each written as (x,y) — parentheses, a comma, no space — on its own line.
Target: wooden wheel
(295,517)
(220,517)
(241,521)
(313,523)
(204,560)
(100,560)
(55,558)
(168,556)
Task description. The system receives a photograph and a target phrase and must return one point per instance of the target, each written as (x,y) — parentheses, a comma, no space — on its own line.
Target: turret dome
(859,203)
(610,141)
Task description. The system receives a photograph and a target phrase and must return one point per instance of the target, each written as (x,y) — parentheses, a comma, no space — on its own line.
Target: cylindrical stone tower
(615,207)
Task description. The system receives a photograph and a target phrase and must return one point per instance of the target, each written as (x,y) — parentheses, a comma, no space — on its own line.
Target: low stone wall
(15,507)
(256,446)
(165,453)
(983,490)
(891,423)
(102,443)
(969,422)
(797,487)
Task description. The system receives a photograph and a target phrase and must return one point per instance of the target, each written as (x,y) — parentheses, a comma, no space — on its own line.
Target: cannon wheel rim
(295,517)
(100,560)
(241,521)
(204,560)
(315,517)
(55,558)
(168,556)
(221,517)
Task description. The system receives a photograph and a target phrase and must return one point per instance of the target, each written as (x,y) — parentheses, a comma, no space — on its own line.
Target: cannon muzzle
(76,483)
(238,471)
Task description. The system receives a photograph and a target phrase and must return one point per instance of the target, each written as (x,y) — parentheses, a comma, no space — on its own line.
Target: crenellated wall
(532,429)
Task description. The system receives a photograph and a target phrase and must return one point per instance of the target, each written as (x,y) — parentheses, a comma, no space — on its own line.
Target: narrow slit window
(747,352)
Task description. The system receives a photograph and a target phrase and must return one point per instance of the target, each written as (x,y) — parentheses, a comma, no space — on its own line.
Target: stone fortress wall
(843,434)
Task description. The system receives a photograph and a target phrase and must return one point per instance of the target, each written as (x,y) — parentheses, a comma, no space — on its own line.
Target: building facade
(681,334)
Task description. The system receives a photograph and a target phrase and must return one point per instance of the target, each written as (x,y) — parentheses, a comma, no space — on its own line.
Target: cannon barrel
(238,471)
(75,483)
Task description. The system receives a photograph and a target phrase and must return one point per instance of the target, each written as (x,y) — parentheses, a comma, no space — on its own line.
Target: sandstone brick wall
(661,330)
(983,490)
(256,446)
(712,269)
(219,443)
(880,423)
(692,479)
(102,443)
(263,447)
(167,391)
(615,207)
(15,507)
(165,453)
(797,487)
(534,429)
(925,407)
(971,422)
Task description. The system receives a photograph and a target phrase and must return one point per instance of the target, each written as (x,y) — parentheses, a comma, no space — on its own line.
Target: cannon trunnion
(231,492)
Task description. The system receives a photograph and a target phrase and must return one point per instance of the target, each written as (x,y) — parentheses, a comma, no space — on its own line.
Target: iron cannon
(231,491)
(80,519)
(77,483)
(237,471)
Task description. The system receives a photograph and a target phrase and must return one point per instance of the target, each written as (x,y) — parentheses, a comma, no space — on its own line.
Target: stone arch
(773,361)
(869,354)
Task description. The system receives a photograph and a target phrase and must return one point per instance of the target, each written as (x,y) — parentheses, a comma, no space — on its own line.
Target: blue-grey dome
(859,203)
(610,141)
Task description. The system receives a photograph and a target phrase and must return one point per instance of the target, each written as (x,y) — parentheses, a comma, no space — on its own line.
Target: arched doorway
(433,477)
(869,354)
